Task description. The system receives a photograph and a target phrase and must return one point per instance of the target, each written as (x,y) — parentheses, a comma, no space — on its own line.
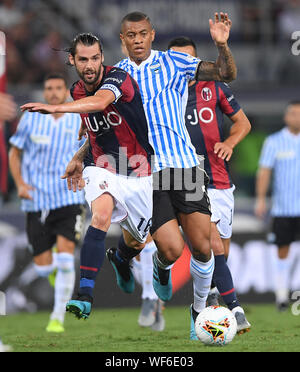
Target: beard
(89,76)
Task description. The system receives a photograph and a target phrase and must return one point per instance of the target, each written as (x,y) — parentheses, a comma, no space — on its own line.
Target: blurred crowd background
(37,31)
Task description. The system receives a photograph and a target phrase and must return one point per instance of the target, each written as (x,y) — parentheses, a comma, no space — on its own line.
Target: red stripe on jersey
(211,134)
(99,157)
(136,154)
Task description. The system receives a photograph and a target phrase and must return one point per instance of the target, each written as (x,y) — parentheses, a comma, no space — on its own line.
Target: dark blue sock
(125,253)
(91,259)
(223,281)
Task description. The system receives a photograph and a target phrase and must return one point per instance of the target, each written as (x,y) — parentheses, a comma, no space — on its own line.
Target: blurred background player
(8,112)
(8,107)
(159,74)
(151,314)
(207,102)
(117,177)
(41,149)
(280,157)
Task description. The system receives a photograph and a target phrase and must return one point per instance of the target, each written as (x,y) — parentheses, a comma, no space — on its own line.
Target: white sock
(214,290)
(147,271)
(202,273)
(64,284)
(44,270)
(136,269)
(282,279)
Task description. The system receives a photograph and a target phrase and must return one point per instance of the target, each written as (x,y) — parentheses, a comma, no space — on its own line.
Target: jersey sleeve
(21,135)
(118,82)
(228,103)
(185,63)
(268,154)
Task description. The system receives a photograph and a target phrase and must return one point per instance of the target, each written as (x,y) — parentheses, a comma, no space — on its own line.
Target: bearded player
(117,176)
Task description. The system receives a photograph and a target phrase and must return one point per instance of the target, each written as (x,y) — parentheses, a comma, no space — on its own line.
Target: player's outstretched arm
(224,69)
(95,103)
(73,172)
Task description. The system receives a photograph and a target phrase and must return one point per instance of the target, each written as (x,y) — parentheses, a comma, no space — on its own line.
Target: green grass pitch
(116,330)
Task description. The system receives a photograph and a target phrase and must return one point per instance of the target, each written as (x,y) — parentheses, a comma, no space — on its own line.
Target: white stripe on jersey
(163,81)
(281,152)
(47,145)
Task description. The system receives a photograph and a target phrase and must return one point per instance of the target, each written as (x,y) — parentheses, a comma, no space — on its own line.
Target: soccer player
(163,80)
(280,157)
(151,314)
(8,108)
(117,176)
(207,102)
(41,148)
(8,111)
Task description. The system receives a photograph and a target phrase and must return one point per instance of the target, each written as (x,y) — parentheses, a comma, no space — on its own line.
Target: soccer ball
(215,325)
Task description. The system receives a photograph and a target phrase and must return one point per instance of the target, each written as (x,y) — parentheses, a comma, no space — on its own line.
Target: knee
(67,246)
(171,252)
(100,220)
(217,246)
(203,250)
(135,245)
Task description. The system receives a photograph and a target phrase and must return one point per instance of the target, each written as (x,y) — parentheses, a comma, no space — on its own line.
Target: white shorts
(222,208)
(132,196)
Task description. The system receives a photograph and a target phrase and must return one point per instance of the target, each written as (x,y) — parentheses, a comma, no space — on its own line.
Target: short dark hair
(135,17)
(55,75)
(182,41)
(87,39)
(294,102)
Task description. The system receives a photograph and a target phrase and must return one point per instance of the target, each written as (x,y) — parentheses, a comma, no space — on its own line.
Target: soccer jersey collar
(56,121)
(290,134)
(147,61)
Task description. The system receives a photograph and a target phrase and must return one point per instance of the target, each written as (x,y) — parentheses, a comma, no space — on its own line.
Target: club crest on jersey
(155,67)
(103,185)
(206,94)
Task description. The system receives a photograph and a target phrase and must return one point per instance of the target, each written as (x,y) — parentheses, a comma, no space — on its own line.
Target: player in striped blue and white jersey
(280,157)
(163,81)
(47,145)
(40,151)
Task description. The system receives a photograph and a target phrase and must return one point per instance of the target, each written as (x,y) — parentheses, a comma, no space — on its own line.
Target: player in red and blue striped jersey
(207,102)
(118,134)
(117,175)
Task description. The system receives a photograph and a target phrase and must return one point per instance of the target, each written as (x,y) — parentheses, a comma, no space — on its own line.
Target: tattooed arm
(73,172)
(224,69)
